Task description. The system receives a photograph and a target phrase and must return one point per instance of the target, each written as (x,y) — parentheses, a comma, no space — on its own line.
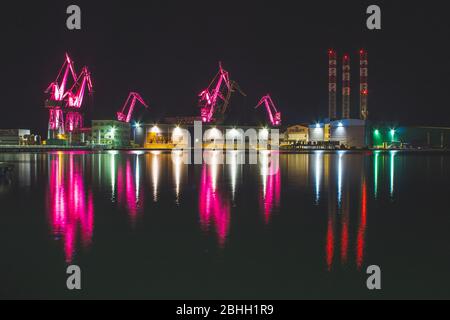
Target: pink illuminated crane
(75,97)
(133,97)
(216,98)
(58,93)
(274,114)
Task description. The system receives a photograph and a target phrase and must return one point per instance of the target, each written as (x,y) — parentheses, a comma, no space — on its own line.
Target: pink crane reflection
(129,189)
(214,208)
(70,203)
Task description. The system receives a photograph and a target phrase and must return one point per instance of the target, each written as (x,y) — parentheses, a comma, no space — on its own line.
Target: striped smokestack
(346,87)
(332,84)
(364,84)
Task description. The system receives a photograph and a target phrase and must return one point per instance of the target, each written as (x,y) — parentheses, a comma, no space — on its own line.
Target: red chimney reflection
(213,206)
(345,229)
(70,205)
(360,242)
(342,235)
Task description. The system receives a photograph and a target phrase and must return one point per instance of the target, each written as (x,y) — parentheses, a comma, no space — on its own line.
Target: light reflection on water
(318,221)
(70,195)
(69,203)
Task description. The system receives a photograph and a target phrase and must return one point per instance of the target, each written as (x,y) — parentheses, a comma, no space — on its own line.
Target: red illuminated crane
(216,98)
(274,114)
(133,97)
(75,97)
(58,93)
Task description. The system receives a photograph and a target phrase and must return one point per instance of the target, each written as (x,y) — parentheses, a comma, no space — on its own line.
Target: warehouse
(111,132)
(13,137)
(349,133)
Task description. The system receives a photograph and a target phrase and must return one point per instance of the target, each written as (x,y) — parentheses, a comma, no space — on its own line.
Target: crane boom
(76,100)
(272,111)
(133,97)
(58,87)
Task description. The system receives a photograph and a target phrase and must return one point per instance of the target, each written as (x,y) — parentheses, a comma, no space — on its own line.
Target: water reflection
(129,188)
(318,160)
(271,184)
(214,206)
(337,185)
(360,243)
(155,170)
(392,173)
(234,161)
(70,202)
(178,164)
(376,173)
(342,240)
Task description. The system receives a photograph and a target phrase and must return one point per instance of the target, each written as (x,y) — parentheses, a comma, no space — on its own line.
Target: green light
(377,132)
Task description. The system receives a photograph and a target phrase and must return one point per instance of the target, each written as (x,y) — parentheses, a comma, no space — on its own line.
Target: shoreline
(44,149)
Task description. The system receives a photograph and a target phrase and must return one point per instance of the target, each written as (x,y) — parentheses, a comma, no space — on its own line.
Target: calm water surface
(141,225)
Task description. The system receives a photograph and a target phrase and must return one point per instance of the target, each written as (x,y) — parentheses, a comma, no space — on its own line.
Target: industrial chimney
(346,87)
(332,85)
(364,84)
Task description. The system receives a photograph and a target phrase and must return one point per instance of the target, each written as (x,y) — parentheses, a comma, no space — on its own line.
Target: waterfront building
(392,135)
(297,134)
(14,137)
(111,133)
(350,133)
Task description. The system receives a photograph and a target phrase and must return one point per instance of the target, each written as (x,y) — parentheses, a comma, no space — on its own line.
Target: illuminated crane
(274,115)
(58,93)
(133,97)
(216,98)
(74,117)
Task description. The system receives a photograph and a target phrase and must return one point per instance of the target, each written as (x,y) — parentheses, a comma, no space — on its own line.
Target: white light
(340,124)
(137,125)
(155,129)
(317,125)
(177,132)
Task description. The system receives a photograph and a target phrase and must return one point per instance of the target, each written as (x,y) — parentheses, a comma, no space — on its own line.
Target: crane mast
(58,94)
(75,97)
(209,97)
(216,98)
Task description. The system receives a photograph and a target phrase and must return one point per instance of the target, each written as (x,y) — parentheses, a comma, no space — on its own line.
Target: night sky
(169,51)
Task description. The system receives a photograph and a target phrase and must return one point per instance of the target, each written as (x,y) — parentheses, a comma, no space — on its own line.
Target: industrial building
(297,134)
(14,137)
(344,131)
(350,133)
(391,135)
(110,133)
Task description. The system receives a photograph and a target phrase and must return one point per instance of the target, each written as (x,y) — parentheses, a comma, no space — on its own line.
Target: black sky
(168,51)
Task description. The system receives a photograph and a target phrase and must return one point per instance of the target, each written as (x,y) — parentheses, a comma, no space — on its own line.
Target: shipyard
(224,151)
(68,127)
